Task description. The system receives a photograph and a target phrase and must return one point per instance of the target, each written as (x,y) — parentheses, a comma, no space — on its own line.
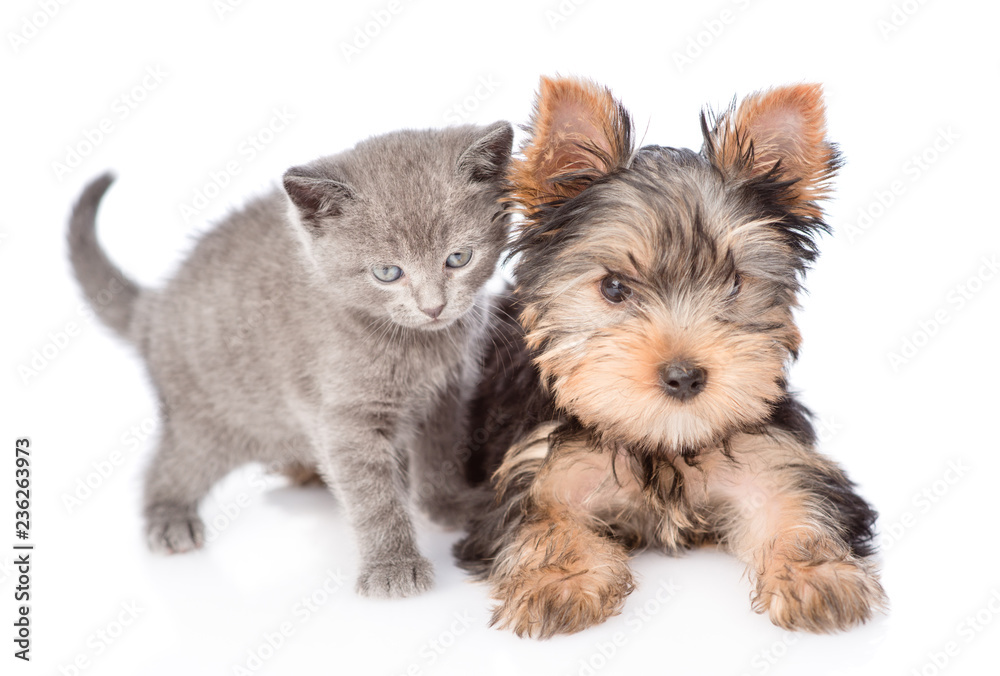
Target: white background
(918,433)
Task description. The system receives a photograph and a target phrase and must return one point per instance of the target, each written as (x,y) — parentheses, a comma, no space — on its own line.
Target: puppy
(636,395)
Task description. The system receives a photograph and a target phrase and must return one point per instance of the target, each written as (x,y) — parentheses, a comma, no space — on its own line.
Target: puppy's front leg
(367,474)
(555,574)
(793,517)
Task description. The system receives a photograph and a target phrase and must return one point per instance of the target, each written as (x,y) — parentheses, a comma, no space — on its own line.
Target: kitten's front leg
(368,479)
(437,462)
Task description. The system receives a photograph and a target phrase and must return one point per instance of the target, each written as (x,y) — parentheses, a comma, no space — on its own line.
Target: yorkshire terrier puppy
(636,394)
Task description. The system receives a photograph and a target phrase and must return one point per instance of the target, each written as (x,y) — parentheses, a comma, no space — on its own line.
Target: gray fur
(110,293)
(274,342)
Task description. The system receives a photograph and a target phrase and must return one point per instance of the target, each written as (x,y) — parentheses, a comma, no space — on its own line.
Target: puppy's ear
(782,130)
(579,132)
(316,196)
(487,158)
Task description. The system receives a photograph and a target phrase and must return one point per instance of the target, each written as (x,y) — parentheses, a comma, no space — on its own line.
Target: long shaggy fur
(597,459)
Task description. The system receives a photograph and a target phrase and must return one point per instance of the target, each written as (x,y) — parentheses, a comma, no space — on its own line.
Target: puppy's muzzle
(682,380)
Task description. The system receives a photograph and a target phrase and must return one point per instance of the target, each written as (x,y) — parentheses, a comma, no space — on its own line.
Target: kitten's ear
(487,158)
(781,130)
(579,132)
(315,195)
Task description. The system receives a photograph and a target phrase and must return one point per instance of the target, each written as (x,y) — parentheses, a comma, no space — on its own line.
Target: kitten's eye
(614,290)
(737,285)
(459,259)
(387,273)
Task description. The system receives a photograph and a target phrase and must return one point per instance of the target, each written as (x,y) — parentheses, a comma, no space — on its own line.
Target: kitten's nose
(433,312)
(682,380)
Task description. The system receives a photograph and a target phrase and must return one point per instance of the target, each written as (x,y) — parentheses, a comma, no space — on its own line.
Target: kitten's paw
(821,597)
(396,579)
(174,529)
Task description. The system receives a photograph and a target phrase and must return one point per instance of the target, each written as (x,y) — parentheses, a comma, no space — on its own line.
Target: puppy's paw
(174,529)
(396,579)
(559,577)
(551,602)
(820,597)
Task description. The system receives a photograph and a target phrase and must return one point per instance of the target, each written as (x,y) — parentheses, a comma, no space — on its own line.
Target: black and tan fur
(595,459)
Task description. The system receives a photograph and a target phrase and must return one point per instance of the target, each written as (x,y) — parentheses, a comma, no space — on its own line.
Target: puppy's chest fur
(660,501)
(643,499)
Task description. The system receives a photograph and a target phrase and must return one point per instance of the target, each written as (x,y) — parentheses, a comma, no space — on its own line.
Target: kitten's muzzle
(433,312)
(682,380)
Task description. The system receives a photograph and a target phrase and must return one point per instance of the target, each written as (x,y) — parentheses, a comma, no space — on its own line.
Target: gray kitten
(338,324)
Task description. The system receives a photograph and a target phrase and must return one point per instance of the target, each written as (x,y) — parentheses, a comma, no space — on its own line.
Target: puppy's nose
(682,380)
(433,312)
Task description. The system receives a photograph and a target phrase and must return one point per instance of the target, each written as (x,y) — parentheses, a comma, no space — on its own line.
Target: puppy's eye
(614,290)
(737,285)
(459,259)
(387,273)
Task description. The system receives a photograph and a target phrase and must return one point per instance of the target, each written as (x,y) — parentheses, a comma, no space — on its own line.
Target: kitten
(338,324)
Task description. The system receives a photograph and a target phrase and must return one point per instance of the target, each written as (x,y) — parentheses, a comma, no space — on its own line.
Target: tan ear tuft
(785,128)
(579,132)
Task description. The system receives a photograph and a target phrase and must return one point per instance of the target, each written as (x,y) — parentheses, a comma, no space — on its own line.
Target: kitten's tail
(111,294)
